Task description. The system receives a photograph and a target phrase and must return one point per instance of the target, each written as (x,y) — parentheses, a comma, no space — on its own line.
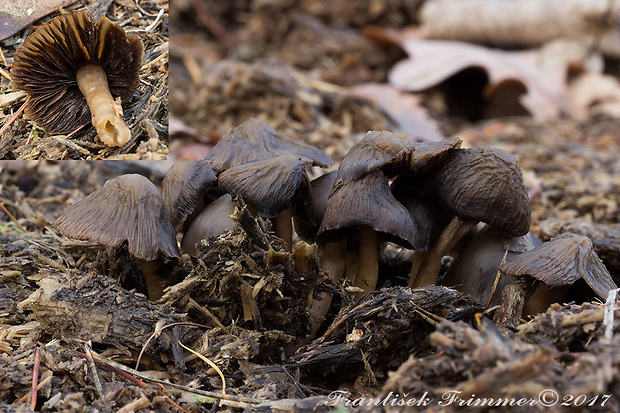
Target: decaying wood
(509,314)
(94,308)
(391,318)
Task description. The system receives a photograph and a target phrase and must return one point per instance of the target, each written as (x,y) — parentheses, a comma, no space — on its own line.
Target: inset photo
(84,80)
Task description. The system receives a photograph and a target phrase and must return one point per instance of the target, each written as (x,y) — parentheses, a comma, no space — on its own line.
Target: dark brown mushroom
(126,209)
(74,70)
(269,186)
(476,185)
(212,221)
(362,210)
(560,262)
(308,211)
(475,270)
(255,139)
(183,188)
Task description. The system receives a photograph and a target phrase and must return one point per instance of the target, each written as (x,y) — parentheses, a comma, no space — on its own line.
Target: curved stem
(107,113)
(429,269)
(283,226)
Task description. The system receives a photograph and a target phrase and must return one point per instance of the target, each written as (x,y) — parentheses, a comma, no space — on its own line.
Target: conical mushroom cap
(183,186)
(483,185)
(128,208)
(367,202)
(562,261)
(45,67)
(269,185)
(255,139)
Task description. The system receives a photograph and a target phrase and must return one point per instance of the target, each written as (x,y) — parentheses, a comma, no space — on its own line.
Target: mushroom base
(107,113)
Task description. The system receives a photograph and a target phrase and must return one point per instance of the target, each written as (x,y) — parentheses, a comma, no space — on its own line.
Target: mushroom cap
(269,185)
(483,185)
(367,202)
(183,187)
(45,67)
(562,261)
(308,211)
(255,139)
(394,154)
(371,153)
(210,222)
(430,216)
(127,208)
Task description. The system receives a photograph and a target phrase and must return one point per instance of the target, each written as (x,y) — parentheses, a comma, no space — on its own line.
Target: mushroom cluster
(429,197)
(75,70)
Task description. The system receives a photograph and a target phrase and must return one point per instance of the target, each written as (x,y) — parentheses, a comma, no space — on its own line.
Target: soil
(78,311)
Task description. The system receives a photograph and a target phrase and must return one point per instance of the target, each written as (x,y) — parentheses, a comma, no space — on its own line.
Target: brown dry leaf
(404,108)
(595,94)
(433,61)
(15,15)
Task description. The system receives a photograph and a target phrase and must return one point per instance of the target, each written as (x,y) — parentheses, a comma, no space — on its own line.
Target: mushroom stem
(430,266)
(107,114)
(154,283)
(367,261)
(284,228)
(418,257)
(333,263)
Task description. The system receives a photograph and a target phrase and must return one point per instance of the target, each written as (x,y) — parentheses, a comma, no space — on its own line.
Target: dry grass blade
(210,363)
(128,371)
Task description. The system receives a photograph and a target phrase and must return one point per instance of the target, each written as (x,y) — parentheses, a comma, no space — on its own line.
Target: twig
(5,73)
(155,22)
(12,118)
(39,386)
(11,217)
(93,370)
(608,319)
(157,332)
(35,378)
(3,58)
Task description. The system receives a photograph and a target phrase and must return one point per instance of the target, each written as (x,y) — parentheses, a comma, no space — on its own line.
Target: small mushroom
(129,209)
(476,185)
(183,187)
(212,221)
(270,186)
(362,210)
(475,270)
(75,69)
(560,262)
(255,139)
